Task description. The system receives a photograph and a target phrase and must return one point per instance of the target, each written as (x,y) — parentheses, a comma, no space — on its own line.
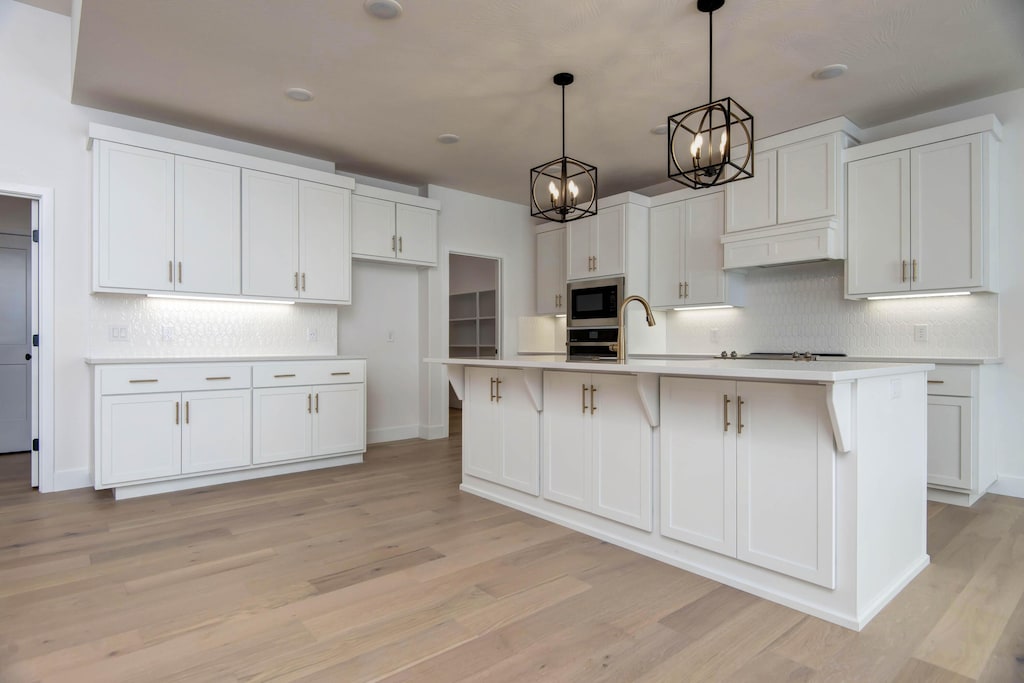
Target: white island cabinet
(802,483)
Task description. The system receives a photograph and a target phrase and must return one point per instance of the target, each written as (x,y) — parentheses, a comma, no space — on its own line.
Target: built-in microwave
(594,303)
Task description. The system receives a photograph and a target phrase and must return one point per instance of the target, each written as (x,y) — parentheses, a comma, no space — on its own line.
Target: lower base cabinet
(501,429)
(748,471)
(217,431)
(597,446)
(142,437)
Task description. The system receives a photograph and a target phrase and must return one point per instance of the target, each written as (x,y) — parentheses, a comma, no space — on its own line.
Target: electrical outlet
(118,333)
(311,334)
(713,335)
(920,333)
(895,388)
(166,333)
(390,338)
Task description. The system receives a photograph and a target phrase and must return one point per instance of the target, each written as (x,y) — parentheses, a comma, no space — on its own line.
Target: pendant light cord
(563,122)
(711,56)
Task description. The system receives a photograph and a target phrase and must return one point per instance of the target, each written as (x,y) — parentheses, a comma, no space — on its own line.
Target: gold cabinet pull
(497,390)
(335,374)
(492,389)
(739,414)
(725,412)
(303,282)
(393,247)
(583,399)
(296,281)
(399,244)
(280,376)
(212,379)
(595,263)
(913,270)
(170,271)
(593,401)
(177,412)
(317,402)
(680,290)
(143,381)
(903,271)
(179,271)
(686,290)
(186,412)
(309,403)
(936,381)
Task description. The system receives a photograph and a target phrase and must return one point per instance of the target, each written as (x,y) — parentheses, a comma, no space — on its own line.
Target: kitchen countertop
(986,360)
(702,366)
(214,359)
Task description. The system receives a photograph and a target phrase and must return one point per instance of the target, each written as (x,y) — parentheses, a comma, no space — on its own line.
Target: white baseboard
(433,431)
(385,434)
(1008,485)
(65,480)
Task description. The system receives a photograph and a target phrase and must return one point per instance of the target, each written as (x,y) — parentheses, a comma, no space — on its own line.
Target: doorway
(474,309)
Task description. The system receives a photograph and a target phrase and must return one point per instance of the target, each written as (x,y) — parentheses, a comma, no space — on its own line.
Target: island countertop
(819,371)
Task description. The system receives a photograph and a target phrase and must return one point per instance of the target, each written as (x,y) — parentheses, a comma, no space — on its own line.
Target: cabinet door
(417,234)
(551,272)
(135,208)
(481,456)
(207,227)
(282,417)
(373,227)
(270,234)
(807,180)
(751,202)
(518,432)
(140,437)
(339,419)
(566,438)
(666,255)
(785,480)
(703,255)
(621,452)
(950,425)
(578,244)
(946,214)
(216,431)
(608,240)
(325,263)
(878,224)
(698,462)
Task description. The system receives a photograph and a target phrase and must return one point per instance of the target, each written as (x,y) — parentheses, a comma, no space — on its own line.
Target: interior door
(15,343)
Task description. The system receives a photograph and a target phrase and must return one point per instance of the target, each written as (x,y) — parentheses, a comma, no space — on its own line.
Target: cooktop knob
(732,355)
(725,354)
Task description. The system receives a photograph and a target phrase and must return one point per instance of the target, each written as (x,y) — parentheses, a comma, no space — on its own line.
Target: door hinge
(35,236)
(35,340)
(35,445)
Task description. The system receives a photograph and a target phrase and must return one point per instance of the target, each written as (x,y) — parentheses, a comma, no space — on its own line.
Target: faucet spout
(621,350)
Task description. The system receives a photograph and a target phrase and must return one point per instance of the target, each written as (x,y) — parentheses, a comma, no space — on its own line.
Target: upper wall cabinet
(171,216)
(791,210)
(921,212)
(394,227)
(551,272)
(597,244)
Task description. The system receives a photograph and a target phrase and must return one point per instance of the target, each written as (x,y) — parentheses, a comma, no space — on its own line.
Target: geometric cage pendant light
(712,144)
(565,189)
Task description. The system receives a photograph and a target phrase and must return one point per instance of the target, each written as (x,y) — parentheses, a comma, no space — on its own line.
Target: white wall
(15,215)
(471,274)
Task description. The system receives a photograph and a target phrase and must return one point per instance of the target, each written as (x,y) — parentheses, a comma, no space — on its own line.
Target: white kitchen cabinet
(270,235)
(751,203)
(325,273)
(597,446)
(501,429)
(207,227)
(551,272)
(282,417)
(921,218)
(951,421)
(686,255)
(748,470)
(597,244)
(387,230)
(141,437)
(339,419)
(216,430)
(134,200)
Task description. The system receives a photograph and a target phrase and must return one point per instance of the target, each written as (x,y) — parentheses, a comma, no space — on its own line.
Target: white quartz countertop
(978,360)
(785,370)
(214,359)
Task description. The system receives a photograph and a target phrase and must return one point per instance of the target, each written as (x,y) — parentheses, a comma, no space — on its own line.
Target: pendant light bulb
(721,146)
(574,190)
(553,191)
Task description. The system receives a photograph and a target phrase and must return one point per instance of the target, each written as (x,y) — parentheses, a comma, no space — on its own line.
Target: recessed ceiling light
(383,9)
(660,129)
(299,94)
(830,71)
(447,138)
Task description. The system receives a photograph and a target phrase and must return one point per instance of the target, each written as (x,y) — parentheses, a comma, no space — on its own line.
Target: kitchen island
(800,482)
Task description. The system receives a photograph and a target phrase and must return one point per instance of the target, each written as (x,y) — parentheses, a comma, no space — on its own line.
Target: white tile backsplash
(209,328)
(802,308)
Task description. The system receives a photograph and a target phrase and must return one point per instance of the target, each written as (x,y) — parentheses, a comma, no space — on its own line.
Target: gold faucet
(620,347)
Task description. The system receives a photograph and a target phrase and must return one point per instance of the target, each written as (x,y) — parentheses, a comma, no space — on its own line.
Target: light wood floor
(385,571)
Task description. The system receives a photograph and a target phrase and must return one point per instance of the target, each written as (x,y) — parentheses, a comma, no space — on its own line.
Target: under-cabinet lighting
(559,315)
(214,298)
(917,296)
(701,308)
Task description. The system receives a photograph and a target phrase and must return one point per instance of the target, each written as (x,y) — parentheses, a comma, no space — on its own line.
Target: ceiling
(384,90)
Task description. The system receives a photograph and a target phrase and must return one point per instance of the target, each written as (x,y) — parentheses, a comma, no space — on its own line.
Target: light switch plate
(920,333)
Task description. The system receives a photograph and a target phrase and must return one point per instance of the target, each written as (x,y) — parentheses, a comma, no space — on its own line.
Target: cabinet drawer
(148,379)
(298,373)
(953,380)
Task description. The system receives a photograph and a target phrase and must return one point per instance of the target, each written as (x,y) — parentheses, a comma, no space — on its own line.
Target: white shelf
(472,324)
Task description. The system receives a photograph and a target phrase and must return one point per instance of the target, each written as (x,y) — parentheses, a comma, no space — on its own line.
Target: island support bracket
(839,396)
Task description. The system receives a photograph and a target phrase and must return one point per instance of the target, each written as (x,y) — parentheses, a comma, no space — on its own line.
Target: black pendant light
(712,144)
(565,189)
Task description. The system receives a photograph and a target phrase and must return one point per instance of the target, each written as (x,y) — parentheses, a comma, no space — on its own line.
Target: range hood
(805,242)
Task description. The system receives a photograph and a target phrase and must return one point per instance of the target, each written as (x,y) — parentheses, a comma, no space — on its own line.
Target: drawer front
(298,373)
(953,380)
(148,379)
